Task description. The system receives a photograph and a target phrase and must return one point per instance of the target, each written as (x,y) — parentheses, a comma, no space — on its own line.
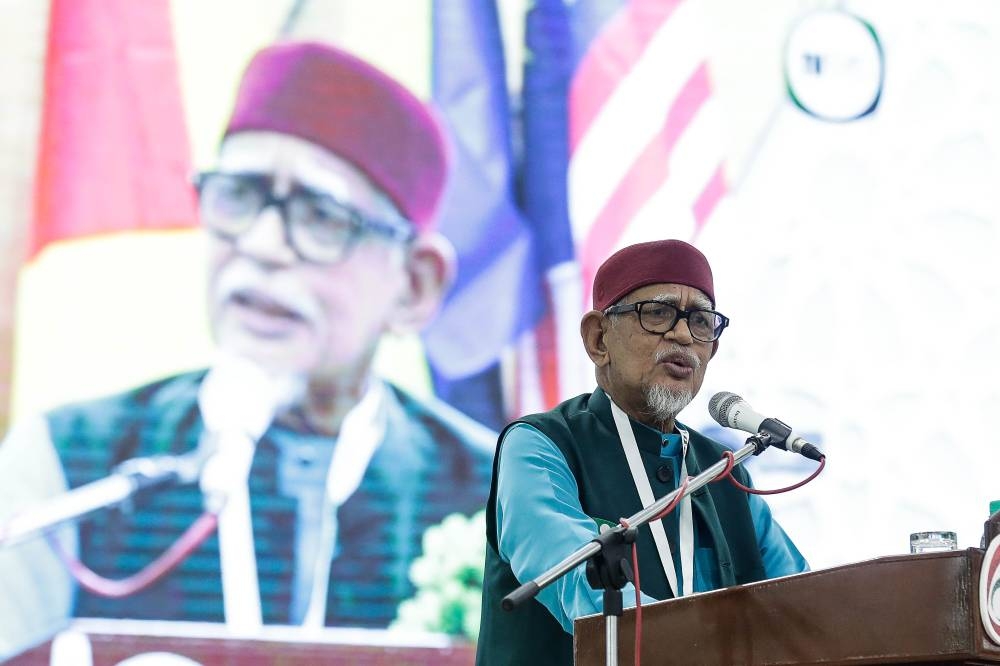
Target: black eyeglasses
(317,227)
(659,317)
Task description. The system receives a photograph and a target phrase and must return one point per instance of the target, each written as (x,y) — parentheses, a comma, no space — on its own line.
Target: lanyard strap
(645,490)
(361,433)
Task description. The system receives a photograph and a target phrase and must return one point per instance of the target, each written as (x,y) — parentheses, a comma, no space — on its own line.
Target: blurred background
(836,162)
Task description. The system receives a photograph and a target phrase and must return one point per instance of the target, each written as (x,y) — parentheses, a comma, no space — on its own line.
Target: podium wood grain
(908,609)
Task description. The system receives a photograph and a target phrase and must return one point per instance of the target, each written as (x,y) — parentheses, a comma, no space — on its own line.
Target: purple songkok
(331,98)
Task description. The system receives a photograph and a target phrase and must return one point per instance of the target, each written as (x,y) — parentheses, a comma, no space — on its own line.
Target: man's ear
(430,271)
(593,329)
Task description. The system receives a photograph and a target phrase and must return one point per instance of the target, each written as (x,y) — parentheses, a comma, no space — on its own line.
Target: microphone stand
(129,478)
(608,565)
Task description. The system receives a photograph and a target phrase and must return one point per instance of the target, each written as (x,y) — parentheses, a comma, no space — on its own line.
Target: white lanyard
(686,532)
(361,433)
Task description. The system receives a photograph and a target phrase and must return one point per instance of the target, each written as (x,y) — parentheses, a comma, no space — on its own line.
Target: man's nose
(681,332)
(266,240)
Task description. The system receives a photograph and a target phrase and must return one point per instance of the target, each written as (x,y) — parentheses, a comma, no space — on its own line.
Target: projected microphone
(238,400)
(732,411)
(125,480)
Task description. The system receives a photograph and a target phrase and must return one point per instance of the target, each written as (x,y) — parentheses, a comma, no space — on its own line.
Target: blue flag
(499,290)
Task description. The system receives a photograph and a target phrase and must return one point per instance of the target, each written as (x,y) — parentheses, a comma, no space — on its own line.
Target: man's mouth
(263,304)
(679,365)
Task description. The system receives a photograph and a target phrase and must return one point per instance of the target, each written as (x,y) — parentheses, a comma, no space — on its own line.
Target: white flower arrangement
(448,577)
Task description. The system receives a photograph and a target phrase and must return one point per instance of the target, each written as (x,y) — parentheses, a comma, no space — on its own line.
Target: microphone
(125,480)
(238,399)
(732,411)
(238,402)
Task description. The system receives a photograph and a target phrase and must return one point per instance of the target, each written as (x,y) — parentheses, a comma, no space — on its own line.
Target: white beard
(664,403)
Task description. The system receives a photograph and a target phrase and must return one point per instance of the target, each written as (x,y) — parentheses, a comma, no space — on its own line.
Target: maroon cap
(655,262)
(333,99)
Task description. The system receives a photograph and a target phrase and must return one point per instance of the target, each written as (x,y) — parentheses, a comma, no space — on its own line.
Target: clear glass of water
(933,542)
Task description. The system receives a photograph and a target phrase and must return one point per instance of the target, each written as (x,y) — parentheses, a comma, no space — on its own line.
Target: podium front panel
(894,610)
(113,641)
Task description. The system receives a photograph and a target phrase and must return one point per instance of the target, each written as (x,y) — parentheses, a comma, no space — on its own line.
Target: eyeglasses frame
(397,228)
(681,314)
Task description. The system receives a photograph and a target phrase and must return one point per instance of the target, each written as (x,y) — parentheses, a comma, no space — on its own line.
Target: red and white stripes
(646,162)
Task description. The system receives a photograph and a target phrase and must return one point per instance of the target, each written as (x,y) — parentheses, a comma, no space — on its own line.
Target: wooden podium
(113,641)
(908,609)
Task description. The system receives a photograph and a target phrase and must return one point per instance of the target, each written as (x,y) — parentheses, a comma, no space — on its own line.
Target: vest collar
(648,439)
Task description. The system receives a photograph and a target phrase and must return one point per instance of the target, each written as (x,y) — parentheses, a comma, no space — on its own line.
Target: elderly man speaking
(559,475)
(320,218)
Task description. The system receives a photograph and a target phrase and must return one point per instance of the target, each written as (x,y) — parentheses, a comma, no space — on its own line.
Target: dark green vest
(584,430)
(432,462)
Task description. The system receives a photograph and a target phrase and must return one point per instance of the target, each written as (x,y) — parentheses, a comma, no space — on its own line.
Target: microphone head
(720,408)
(238,396)
(238,399)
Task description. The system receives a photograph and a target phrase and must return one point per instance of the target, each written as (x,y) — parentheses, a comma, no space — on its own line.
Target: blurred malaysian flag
(620,144)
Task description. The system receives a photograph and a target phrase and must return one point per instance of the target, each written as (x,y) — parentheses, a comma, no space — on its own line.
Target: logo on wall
(989,591)
(834,66)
